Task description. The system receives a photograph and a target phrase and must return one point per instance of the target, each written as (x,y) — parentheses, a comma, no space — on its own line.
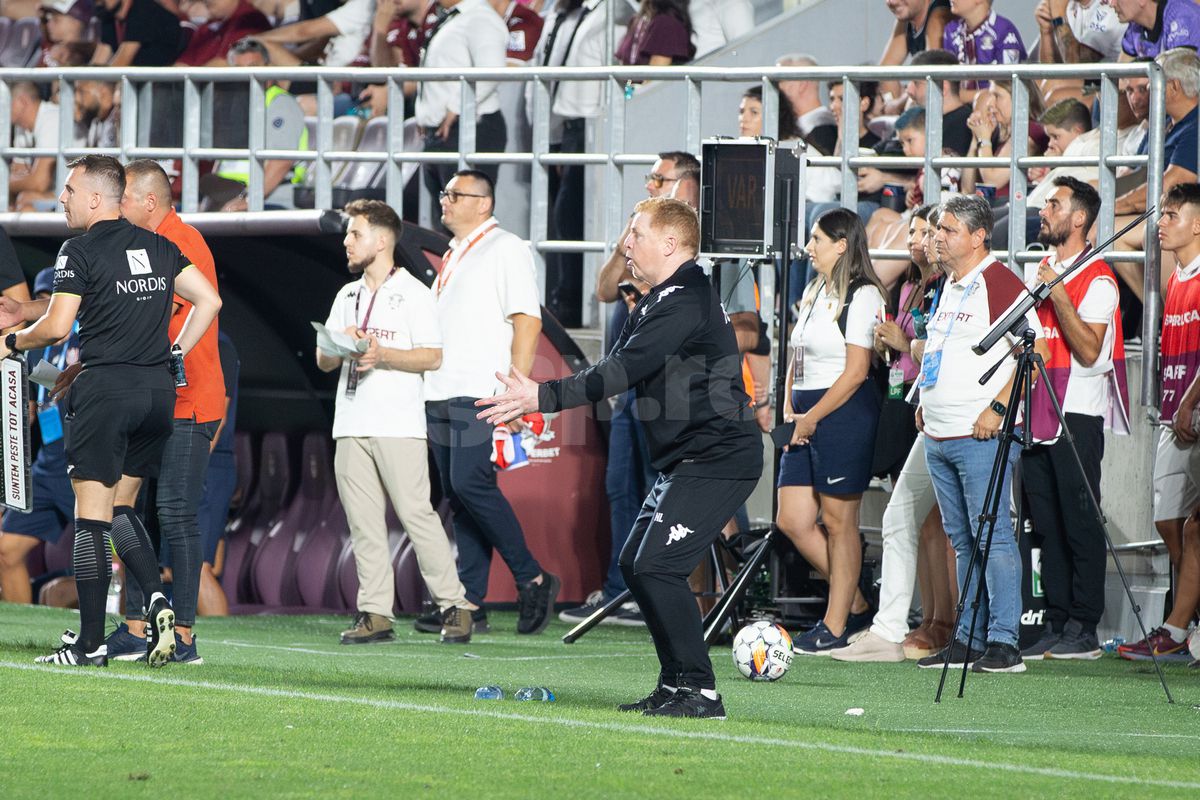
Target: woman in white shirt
(835,408)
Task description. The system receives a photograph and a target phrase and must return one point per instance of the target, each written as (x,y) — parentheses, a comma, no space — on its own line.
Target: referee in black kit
(119,281)
(679,353)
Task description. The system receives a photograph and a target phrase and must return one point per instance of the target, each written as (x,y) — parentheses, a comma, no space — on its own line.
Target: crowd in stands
(890,301)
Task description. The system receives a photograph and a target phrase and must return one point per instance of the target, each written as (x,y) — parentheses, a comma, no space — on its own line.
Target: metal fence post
(323,175)
(1017,183)
(1151,297)
(191,141)
(257,141)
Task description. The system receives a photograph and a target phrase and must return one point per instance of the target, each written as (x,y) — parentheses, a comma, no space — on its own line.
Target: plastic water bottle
(489,693)
(112,604)
(1112,644)
(535,693)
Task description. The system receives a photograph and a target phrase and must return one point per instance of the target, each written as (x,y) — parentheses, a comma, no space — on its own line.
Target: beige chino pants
(369,470)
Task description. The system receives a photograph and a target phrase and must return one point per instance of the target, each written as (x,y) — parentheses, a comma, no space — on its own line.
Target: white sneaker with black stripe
(72,655)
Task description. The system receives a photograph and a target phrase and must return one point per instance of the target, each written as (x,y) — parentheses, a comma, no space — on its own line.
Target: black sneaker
(627,615)
(1038,650)
(1075,644)
(651,701)
(959,655)
(71,654)
(535,603)
(160,631)
(573,616)
(999,658)
(430,621)
(688,702)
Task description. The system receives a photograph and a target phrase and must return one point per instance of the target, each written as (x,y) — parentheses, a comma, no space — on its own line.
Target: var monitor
(750,190)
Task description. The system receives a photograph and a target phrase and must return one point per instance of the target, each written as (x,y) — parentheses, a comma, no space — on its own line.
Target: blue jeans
(180,486)
(627,480)
(483,519)
(960,469)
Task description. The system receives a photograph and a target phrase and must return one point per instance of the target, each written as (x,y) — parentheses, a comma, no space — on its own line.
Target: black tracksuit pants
(680,518)
(1074,562)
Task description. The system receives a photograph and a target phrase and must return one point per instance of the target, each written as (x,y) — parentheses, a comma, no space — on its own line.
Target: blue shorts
(837,458)
(53,508)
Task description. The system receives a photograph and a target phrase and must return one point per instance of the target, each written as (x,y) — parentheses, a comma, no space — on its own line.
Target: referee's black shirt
(125,279)
(679,352)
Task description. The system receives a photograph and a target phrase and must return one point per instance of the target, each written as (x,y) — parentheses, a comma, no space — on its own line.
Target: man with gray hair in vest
(961,420)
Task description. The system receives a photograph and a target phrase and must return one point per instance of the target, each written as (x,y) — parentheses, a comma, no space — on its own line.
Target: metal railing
(198,86)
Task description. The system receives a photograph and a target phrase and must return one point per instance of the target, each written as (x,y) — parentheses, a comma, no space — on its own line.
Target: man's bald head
(147,197)
(150,178)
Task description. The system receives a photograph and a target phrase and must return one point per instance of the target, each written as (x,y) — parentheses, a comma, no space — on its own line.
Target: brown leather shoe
(368,628)
(456,625)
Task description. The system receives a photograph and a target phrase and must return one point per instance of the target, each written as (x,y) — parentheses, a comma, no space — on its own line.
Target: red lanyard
(358,298)
(444,276)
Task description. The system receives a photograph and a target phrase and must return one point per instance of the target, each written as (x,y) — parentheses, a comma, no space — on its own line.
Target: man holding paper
(382,333)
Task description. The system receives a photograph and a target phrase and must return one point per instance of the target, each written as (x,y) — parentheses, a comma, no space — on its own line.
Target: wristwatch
(10,342)
(1058,22)
(999,408)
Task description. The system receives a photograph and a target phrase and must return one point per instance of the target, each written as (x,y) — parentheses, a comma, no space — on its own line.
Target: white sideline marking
(380,650)
(1039,733)
(617,727)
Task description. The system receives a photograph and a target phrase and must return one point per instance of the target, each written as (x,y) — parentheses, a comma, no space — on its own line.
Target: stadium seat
(273,573)
(348,577)
(412,144)
(58,555)
(22,44)
(5,27)
(316,546)
(411,592)
(253,524)
(882,127)
(358,175)
(346,132)
(317,561)
(35,561)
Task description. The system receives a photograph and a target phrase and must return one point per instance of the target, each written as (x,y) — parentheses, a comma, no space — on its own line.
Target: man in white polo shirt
(379,425)
(491,317)
(471,34)
(961,420)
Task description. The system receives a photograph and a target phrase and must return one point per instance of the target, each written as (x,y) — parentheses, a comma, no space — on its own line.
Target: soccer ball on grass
(762,651)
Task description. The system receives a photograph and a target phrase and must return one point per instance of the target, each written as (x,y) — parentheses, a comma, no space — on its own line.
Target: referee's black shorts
(117,422)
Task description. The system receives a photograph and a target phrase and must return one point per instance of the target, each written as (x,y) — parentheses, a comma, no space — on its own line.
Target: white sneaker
(870,647)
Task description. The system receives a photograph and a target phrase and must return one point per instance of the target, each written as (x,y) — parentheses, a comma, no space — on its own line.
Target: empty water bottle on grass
(535,693)
(489,693)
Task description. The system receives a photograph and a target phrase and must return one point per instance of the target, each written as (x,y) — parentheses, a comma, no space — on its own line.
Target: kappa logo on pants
(678,532)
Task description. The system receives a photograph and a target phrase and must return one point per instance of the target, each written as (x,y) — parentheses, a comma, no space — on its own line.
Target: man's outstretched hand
(521,398)
(10,312)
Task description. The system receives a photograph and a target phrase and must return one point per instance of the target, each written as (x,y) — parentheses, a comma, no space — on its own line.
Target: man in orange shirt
(199,407)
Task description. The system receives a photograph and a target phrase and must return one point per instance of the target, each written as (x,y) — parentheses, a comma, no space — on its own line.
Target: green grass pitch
(280,709)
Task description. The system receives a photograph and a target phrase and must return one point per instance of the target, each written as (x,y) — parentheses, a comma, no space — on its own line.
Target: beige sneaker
(368,628)
(456,625)
(870,647)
